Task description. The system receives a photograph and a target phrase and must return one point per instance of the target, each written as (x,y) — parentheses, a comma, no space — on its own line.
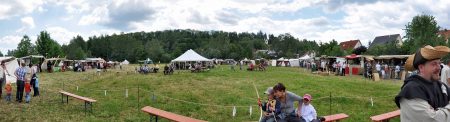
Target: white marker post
(371,101)
(250,111)
(234,111)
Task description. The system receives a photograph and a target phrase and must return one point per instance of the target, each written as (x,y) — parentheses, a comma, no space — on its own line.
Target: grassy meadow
(208,95)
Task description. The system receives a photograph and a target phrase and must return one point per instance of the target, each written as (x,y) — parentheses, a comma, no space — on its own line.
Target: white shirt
(445,74)
(397,68)
(1,72)
(378,67)
(33,69)
(418,110)
(308,112)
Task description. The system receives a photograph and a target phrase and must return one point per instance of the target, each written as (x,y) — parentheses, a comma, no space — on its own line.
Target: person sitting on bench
(308,111)
(271,108)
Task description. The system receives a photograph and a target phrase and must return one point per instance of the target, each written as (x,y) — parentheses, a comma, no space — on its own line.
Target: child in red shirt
(8,89)
(27,92)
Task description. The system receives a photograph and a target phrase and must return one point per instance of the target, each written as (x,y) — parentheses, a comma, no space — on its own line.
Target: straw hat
(425,54)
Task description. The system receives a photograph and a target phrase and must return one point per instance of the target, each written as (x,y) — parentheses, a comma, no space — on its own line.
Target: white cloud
(27,23)
(98,15)
(9,43)
(10,8)
(362,19)
(61,35)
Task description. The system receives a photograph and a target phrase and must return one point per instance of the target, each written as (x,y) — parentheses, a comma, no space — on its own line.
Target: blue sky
(321,20)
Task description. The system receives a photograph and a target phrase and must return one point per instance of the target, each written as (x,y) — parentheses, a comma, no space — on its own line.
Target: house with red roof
(350,45)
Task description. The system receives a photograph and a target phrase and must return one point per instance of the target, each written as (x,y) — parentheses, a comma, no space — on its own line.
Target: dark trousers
(1,87)
(20,89)
(33,84)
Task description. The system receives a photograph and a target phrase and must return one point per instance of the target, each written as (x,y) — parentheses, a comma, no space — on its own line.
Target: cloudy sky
(320,20)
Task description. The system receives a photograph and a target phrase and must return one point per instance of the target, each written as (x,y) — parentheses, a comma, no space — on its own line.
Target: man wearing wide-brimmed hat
(422,97)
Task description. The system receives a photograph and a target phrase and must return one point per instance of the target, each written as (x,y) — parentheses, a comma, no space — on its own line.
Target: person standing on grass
(20,73)
(422,97)
(240,65)
(232,65)
(8,90)
(2,77)
(378,68)
(34,82)
(445,73)
(344,65)
(397,71)
(27,91)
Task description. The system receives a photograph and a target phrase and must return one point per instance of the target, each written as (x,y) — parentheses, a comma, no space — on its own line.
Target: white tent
(95,60)
(11,66)
(294,62)
(190,55)
(274,63)
(305,57)
(125,62)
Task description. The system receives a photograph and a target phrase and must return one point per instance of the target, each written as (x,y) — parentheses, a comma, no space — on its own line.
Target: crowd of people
(27,79)
(250,65)
(337,67)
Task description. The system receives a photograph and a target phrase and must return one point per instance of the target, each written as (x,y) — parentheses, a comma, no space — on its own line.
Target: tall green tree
(421,31)
(10,52)
(24,48)
(331,48)
(48,47)
(75,49)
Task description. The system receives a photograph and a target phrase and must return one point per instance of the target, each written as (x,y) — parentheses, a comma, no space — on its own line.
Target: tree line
(168,44)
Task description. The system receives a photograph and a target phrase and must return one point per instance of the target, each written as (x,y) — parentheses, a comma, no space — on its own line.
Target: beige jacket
(418,110)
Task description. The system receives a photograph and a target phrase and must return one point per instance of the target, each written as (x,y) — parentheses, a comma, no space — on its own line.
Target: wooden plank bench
(335,117)
(386,116)
(87,101)
(154,112)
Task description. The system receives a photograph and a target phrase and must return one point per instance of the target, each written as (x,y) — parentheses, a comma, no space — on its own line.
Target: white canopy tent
(95,60)
(126,62)
(11,66)
(189,56)
(305,57)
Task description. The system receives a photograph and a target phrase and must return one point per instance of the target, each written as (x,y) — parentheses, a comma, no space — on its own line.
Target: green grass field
(207,96)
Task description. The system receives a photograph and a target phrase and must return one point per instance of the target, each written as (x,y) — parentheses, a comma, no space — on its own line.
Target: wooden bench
(386,116)
(154,112)
(87,101)
(335,117)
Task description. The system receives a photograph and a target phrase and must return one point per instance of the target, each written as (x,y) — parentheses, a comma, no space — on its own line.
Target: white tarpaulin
(190,55)
(11,66)
(125,62)
(274,63)
(294,62)
(306,57)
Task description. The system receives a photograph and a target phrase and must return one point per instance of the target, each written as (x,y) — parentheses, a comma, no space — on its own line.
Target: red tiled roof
(445,33)
(348,44)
